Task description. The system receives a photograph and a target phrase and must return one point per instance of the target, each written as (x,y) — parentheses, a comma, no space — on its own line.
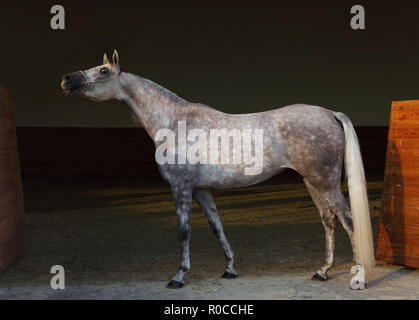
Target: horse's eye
(104,70)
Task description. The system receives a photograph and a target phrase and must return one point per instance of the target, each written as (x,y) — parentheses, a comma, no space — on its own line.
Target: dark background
(239,57)
(243,56)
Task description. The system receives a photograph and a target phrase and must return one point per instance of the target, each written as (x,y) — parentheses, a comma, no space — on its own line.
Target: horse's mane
(151,86)
(163,92)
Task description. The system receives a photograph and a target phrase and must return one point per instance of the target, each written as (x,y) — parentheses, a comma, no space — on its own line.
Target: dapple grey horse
(312,140)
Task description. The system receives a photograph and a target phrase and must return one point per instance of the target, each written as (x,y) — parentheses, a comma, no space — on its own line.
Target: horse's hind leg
(206,202)
(328,215)
(331,204)
(345,217)
(339,206)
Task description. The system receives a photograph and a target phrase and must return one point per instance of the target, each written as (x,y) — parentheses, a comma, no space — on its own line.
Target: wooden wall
(12,227)
(113,152)
(398,237)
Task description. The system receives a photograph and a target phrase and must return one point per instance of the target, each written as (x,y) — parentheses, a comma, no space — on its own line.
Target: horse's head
(98,83)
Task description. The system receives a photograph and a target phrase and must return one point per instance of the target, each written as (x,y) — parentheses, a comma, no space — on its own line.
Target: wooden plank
(8,225)
(405,133)
(402,227)
(408,114)
(8,164)
(404,105)
(7,144)
(401,178)
(404,143)
(12,246)
(9,174)
(12,227)
(398,236)
(8,130)
(10,197)
(391,190)
(10,155)
(6,113)
(408,162)
(395,247)
(9,210)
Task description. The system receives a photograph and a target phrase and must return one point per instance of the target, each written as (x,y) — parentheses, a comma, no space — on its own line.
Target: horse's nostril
(67,78)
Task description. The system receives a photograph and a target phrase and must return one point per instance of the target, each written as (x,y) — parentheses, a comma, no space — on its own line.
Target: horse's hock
(398,237)
(12,227)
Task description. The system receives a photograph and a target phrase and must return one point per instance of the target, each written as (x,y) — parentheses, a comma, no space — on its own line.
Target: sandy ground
(117,239)
(390,282)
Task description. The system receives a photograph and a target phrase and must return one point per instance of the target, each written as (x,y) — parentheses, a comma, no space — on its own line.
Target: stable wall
(112,152)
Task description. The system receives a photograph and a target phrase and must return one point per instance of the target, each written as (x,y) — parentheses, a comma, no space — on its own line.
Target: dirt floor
(117,239)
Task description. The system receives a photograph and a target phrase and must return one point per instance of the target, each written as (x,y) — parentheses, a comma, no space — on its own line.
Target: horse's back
(295,113)
(303,137)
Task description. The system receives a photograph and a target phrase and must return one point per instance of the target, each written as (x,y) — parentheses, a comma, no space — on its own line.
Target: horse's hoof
(229,275)
(320,277)
(173,284)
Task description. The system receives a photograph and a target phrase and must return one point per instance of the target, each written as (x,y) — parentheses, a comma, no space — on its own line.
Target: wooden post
(12,226)
(398,237)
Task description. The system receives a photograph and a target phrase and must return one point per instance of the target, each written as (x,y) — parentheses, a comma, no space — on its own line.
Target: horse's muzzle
(72,81)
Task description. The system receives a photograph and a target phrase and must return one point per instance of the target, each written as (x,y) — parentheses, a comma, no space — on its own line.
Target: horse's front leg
(182,196)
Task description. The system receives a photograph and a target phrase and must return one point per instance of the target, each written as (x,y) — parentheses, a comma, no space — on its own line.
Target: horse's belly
(224,177)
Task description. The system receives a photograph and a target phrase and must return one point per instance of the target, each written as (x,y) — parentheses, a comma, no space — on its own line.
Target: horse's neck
(154,106)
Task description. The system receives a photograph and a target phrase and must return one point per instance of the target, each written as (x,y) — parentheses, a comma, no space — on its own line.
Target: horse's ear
(115,57)
(105,59)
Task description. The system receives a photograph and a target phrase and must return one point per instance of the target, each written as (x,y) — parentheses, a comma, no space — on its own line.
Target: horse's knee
(345,218)
(348,223)
(184,233)
(329,220)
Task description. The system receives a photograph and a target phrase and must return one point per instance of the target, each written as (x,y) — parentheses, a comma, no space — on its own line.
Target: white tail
(364,244)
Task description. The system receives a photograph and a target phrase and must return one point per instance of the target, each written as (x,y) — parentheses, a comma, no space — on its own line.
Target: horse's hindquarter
(314,142)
